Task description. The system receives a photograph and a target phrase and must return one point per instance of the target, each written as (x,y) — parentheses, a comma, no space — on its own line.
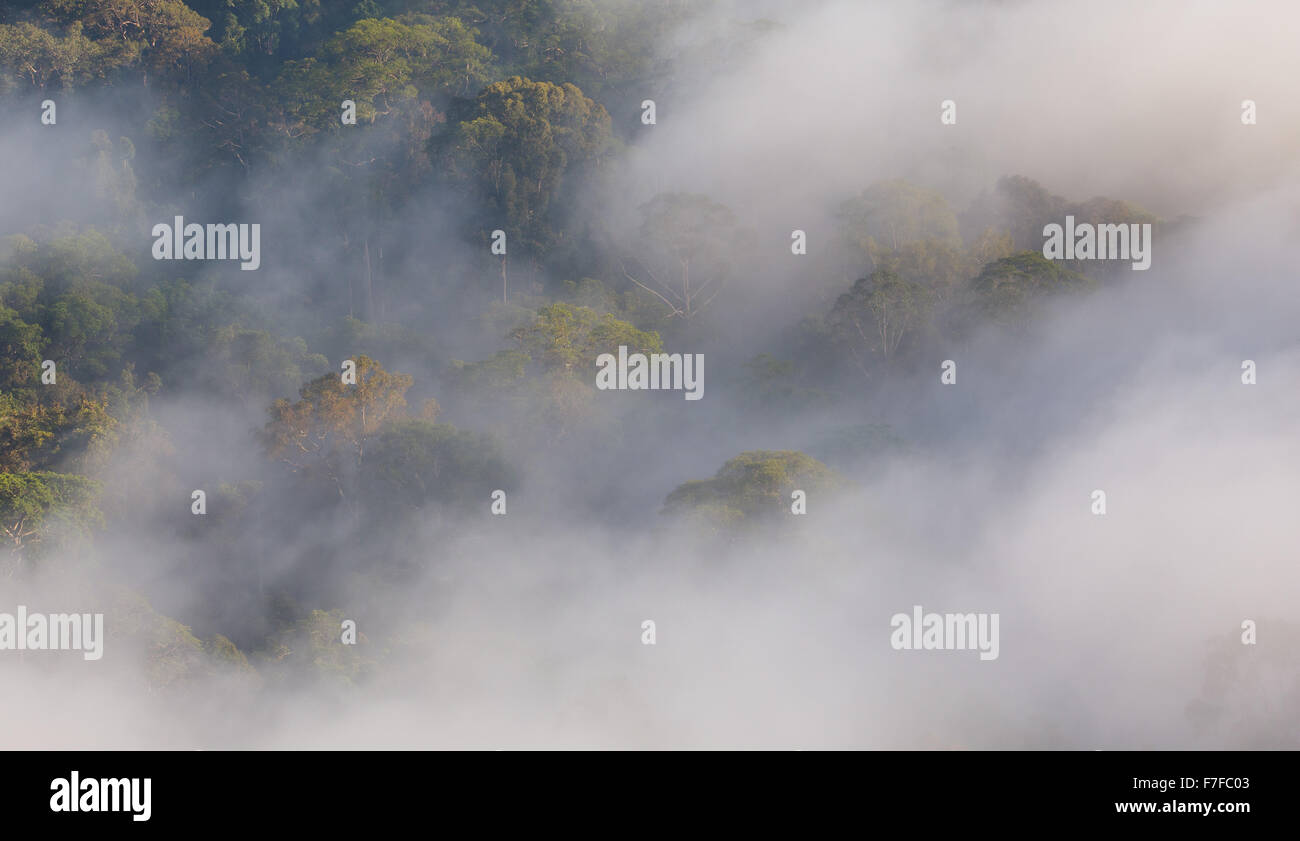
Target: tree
(33,504)
(1023,206)
(324,435)
(684,259)
(84,335)
(255,365)
(609,48)
(381,64)
(417,465)
(1010,291)
(399,74)
(547,378)
(253,26)
(309,649)
(890,215)
(517,148)
(41,59)
(77,288)
(66,431)
(560,339)
(569,338)
(21,346)
(753,488)
(168,35)
(108,169)
(873,318)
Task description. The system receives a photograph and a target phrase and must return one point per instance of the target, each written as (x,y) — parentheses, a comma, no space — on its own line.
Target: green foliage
(226,654)
(750,489)
(323,436)
(547,378)
(872,320)
(612,49)
(1021,207)
(21,345)
(1024,206)
(937,266)
(312,650)
(379,65)
(417,464)
(77,289)
(1010,291)
(254,26)
(505,368)
(631,303)
(255,365)
(891,214)
(35,507)
(570,338)
(39,59)
(170,656)
(561,339)
(70,431)
(515,148)
(167,35)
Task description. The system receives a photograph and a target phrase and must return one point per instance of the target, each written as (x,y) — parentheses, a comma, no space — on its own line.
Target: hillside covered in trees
(462,206)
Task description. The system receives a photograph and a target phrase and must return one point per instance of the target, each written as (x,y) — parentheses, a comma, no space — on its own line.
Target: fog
(525,630)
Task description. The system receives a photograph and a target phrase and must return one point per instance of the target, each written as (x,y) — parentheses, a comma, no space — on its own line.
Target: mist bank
(923,409)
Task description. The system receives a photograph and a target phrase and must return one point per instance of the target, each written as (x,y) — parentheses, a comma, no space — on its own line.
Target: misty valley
(352,376)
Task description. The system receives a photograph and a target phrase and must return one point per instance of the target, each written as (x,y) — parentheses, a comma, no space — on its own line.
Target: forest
(368,390)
